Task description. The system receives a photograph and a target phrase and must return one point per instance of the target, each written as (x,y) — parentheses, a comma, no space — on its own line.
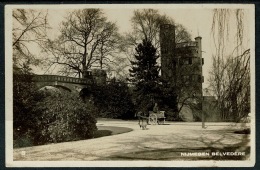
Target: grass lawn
(111,130)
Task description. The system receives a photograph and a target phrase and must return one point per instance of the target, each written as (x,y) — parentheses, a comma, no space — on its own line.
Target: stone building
(181,66)
(98,76)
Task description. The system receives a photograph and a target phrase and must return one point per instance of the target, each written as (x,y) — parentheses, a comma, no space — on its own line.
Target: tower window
(190,60)
(174,64)
(185,78)
(200,79)
(195,78)
(186,61)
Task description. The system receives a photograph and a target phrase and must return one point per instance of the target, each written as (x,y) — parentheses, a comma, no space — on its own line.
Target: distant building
(97,75)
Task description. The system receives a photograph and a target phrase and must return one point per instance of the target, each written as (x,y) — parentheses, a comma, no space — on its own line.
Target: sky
(197,19)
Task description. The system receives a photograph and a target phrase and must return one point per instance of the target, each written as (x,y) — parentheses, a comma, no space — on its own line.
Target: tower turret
(99,76)
(198,40)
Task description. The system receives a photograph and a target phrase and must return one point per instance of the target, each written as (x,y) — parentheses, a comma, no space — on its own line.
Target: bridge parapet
(64,79)
(187,44)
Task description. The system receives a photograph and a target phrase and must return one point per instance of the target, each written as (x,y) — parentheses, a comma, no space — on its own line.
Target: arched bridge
(69,83)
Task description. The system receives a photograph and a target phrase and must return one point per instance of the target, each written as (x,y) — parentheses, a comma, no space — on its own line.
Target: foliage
(41,117)
(24,97)
(62,116)
(146,25)
(114,100)
(29,30)
(168,102)
(22,140)
(145,75)
(149,87)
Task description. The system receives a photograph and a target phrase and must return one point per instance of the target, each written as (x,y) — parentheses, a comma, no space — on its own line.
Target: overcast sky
(197,19)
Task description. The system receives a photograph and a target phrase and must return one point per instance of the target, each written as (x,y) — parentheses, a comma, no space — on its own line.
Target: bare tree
(117,68)
(146,25)
(231,85)
(187,80)
(29,29)
(230,74)
(87,39)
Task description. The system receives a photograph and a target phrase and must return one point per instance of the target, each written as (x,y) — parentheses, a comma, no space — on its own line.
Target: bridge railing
(65,79)
(187,44)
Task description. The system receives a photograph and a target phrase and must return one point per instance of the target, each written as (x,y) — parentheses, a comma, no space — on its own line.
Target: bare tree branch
(84,34)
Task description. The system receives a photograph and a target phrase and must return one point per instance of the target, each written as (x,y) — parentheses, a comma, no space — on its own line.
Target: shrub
(172,115)
(62,116)
(114,100)
(23,140)
(24,97)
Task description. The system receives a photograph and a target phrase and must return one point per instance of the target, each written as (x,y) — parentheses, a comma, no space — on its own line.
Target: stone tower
(181,63)
(200,62)
(167,43)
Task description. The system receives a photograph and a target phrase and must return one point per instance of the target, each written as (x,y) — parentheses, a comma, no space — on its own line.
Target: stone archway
(54,86)
(85,94)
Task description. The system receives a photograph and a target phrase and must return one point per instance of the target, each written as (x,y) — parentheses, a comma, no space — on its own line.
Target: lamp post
(202,114)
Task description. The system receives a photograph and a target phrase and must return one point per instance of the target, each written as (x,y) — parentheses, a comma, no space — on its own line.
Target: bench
(155,118)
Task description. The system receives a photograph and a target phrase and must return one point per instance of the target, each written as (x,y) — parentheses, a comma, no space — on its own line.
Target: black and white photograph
(130,85)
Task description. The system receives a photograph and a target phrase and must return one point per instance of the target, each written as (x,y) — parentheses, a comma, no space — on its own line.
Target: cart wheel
(153,119)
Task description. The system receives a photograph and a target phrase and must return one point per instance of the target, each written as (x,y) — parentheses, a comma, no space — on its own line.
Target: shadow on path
(211,149)
(176,154)
(114,130)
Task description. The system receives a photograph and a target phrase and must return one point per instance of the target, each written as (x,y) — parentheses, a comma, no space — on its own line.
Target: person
(155,108)
(138,114)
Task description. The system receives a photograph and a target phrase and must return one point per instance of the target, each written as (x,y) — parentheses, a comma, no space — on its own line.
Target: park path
(161,142)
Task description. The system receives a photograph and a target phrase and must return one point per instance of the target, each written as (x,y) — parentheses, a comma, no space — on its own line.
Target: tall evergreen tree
(145,75)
